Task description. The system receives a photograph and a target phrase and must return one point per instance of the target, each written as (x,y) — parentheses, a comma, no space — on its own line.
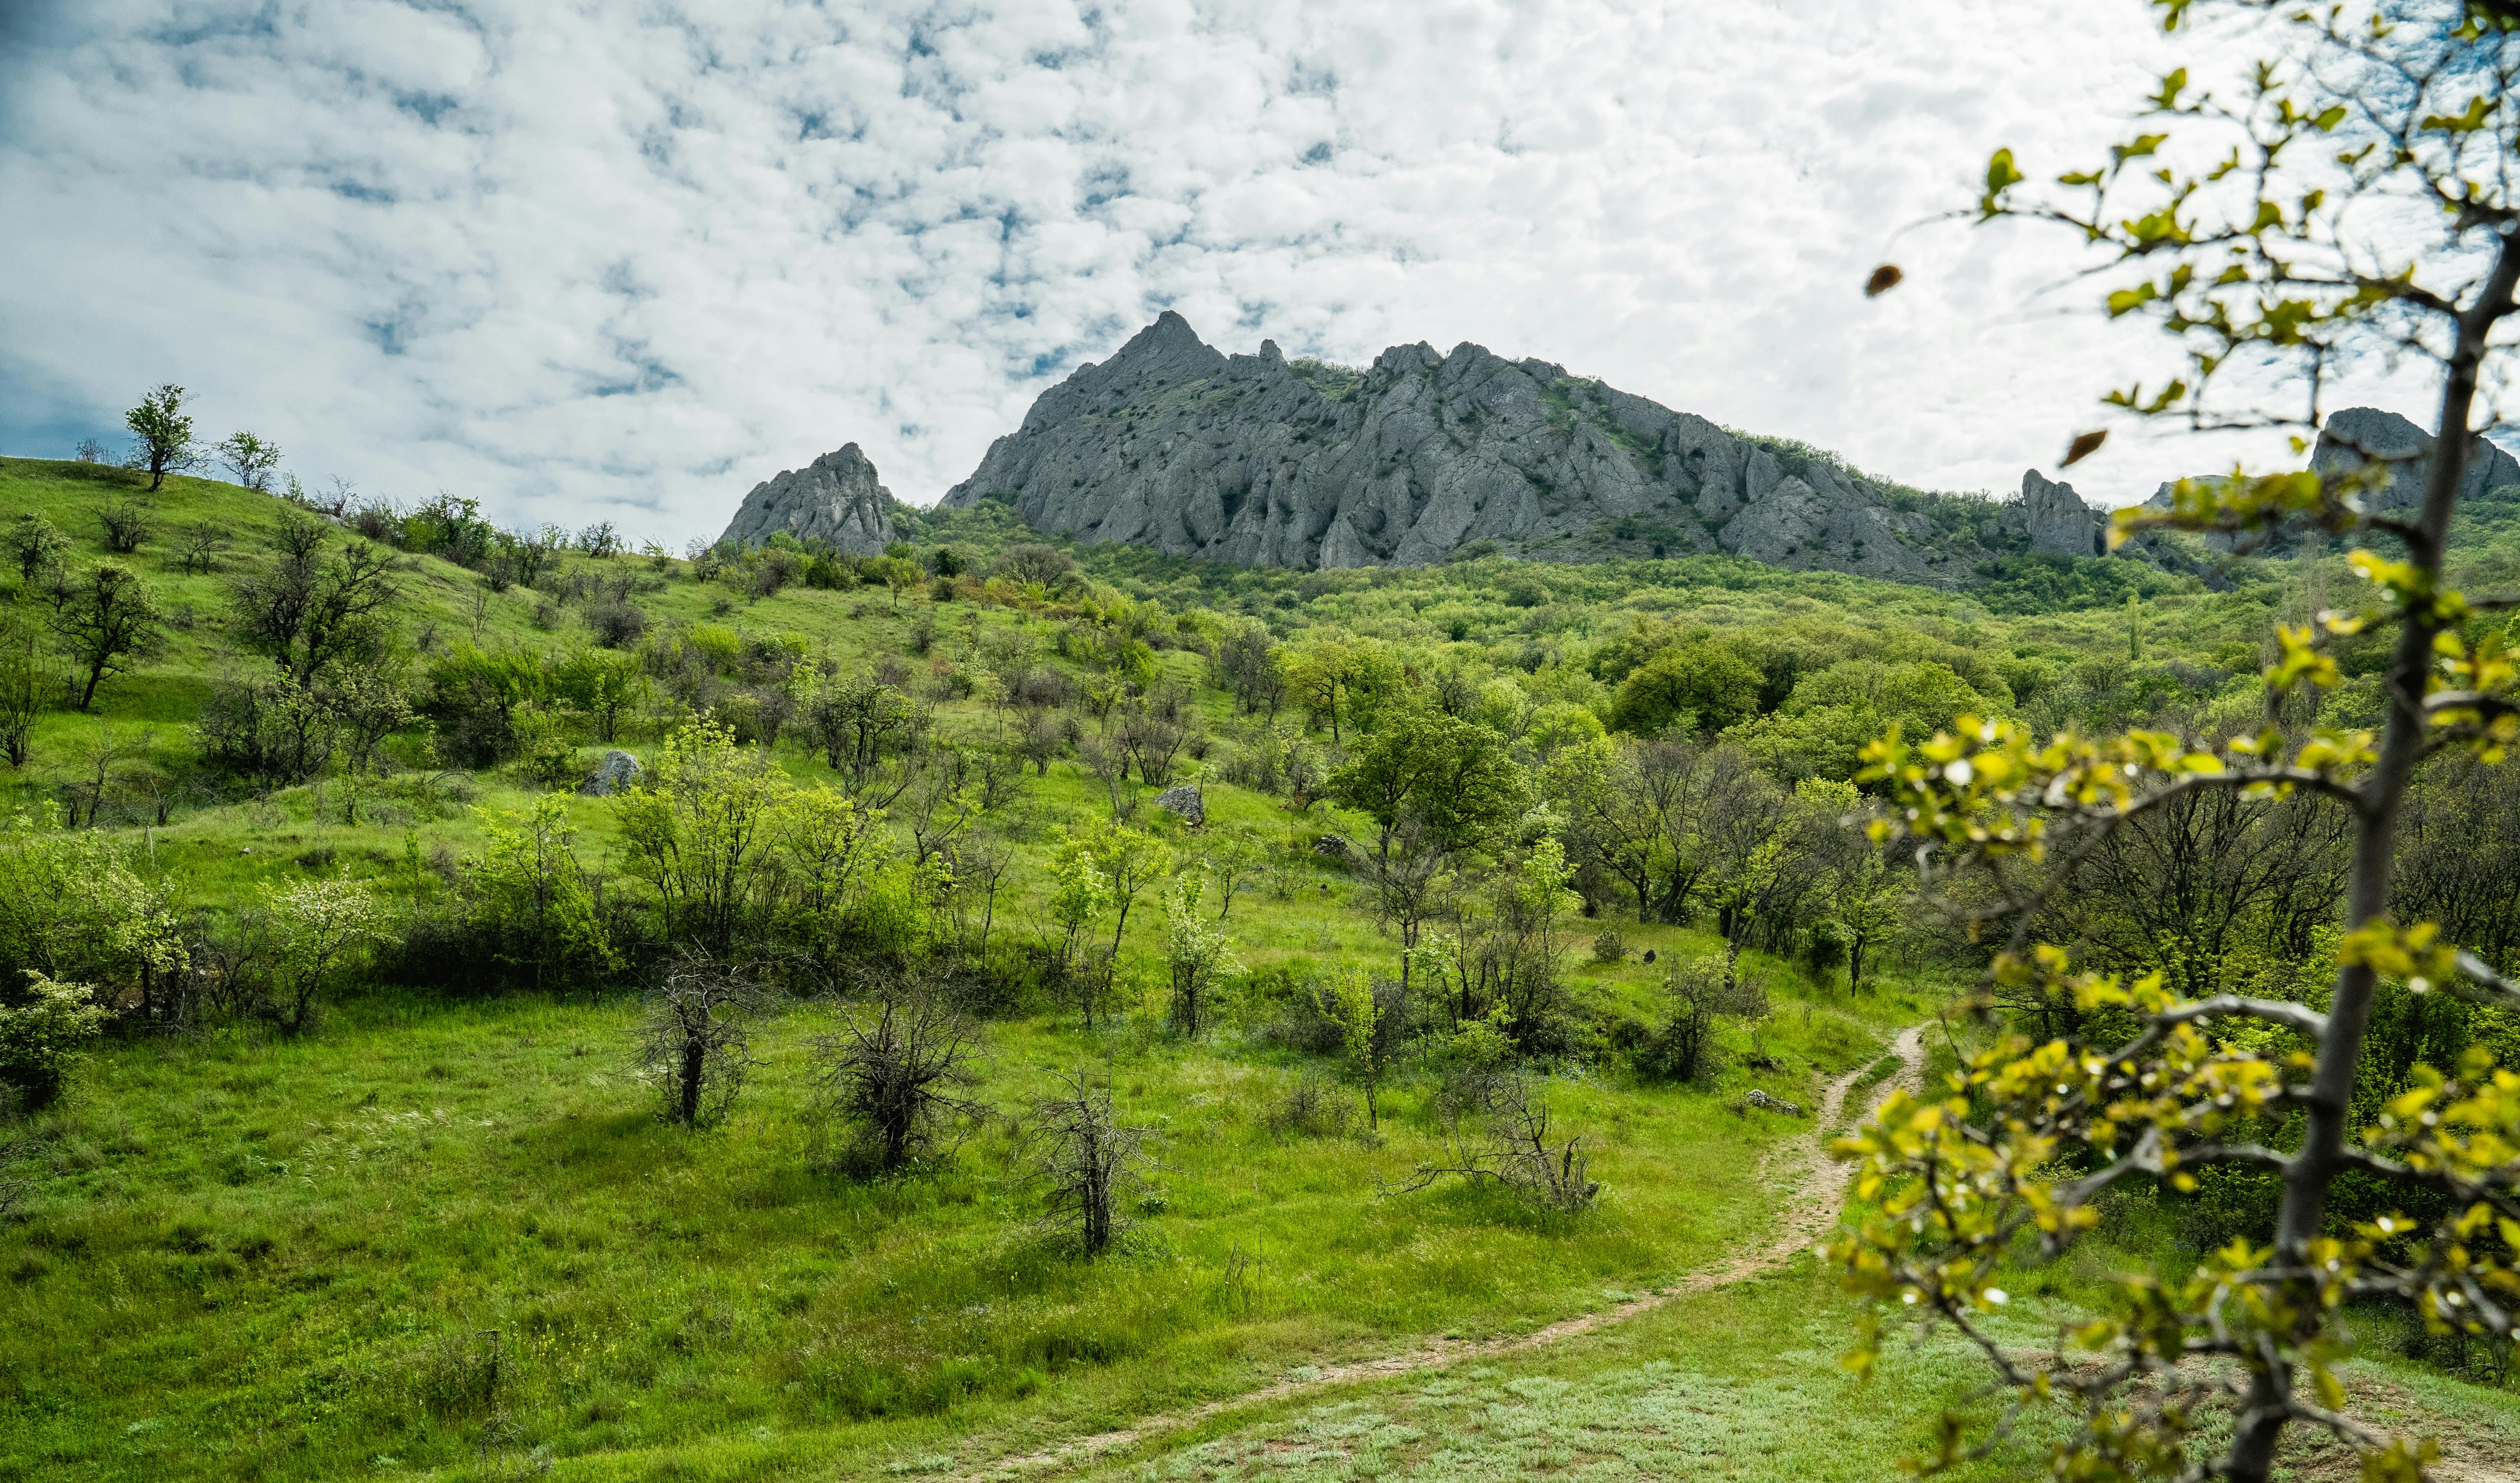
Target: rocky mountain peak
(836,499)
(2358,435)
(1256,460)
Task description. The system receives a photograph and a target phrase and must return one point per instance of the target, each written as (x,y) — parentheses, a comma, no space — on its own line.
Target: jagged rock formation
(2359,435)
(835,498)
(1253,460)
(2056,518)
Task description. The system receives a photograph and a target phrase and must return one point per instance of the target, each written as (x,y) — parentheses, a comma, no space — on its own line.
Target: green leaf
(2144,144)
(2479,110)
(2001,176)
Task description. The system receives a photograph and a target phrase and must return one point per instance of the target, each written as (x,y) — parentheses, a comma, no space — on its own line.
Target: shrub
(1609,947)
(41,1036)
(695,1040)
(893,1081)
(1311,1109)
(1087,1163)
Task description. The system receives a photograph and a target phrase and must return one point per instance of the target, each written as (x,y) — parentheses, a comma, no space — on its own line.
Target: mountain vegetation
(1148,969)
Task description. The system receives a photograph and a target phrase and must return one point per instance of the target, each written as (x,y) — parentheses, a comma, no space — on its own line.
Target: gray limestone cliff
(2359,434)
(2398,451)
(837,499)
(1254,459)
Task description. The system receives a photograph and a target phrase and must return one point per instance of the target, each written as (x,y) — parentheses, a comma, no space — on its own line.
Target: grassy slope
(266,1259)
(275,1259)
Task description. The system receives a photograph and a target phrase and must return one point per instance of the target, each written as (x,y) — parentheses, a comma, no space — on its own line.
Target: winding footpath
(1820,1191)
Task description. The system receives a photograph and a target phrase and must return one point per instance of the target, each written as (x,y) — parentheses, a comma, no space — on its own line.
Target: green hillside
(364,1173)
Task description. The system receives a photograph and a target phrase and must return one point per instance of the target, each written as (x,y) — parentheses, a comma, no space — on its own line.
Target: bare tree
(696,1037)
(107,620)
(127,527)
(1503,1132)
(896,1079)
(1151,740)
(1085,1161)
(310,615)
(199,547)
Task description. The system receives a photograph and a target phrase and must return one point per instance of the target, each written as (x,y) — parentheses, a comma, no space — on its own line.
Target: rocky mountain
(2360,435)
(836,499)
(1257,459)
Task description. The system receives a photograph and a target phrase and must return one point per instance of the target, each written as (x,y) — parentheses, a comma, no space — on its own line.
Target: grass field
(282,1259)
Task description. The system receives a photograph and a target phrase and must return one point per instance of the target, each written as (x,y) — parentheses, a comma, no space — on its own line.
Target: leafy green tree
(2351,196)
(1454,775)
(105,621)
(1128,860)
(701,829)
(251,459)
(35,544)
(829,845)
(1080,891)
(536,900)
(163,434)
(603,683)
(1696,686)
(1360,1013)
(1198,956)
(1337,678)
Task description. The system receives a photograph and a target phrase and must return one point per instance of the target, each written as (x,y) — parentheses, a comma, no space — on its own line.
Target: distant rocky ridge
(1259,461)
(836,499)
(2357,436)
(1255,459)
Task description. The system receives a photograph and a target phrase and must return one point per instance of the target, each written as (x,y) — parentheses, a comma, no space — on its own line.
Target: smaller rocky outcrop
(1185,801)
(618,771)
(2059,520)
(1336,847)
(837,499)
(2359,436)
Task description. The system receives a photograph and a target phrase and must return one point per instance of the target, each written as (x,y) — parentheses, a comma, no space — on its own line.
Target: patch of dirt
(1820,1191)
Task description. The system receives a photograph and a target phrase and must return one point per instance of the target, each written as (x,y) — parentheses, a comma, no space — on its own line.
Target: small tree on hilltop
(161,435)
(2352,195)
(251,459)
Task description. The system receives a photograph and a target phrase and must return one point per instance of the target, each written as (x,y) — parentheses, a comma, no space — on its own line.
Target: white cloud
(626,257)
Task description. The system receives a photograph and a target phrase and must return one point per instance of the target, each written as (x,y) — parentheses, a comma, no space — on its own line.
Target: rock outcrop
(1256,460)
(1185,801)
(2398,451)
(617,773)
(2056,519)
(836,499)
(2367,434)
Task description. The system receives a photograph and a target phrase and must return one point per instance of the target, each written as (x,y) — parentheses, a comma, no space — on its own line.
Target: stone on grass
(618,771)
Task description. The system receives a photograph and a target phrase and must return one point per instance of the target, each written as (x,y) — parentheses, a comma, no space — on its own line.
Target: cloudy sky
(624,258)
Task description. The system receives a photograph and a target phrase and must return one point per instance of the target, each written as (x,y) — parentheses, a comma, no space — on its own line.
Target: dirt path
(1820,1191)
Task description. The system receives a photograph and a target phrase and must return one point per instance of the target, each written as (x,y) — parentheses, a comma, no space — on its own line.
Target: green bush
(40,1037)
